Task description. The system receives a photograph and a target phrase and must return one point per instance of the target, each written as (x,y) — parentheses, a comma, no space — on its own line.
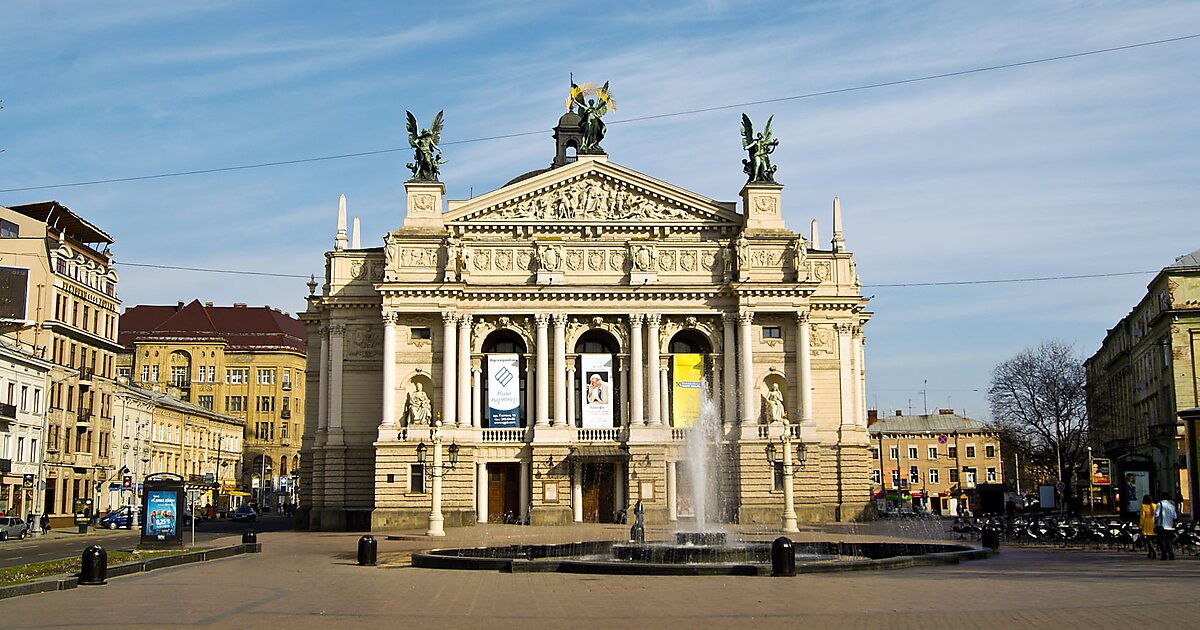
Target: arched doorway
(689,352)
(596,381)
(504,382)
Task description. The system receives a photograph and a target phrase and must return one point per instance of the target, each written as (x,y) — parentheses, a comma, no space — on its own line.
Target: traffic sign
(1060,486)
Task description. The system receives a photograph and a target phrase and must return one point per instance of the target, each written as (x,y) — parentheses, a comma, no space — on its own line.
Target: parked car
(122,518)
(12,527)
(243,513)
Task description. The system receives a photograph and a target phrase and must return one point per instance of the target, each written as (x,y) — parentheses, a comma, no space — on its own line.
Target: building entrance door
(504,489)
(597,492)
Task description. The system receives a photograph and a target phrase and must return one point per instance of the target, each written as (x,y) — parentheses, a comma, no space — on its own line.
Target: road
(66,544)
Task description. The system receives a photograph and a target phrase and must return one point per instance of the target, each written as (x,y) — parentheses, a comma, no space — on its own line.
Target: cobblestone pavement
(305,579)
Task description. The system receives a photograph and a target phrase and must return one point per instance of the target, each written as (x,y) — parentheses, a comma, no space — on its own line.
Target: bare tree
(1037,398)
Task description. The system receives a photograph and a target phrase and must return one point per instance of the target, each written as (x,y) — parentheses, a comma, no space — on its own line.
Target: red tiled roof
(240,327)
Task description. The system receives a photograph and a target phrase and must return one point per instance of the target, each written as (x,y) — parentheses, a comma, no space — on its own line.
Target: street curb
(63,582)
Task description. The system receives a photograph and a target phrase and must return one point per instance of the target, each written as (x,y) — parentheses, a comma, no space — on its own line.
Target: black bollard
(783,558)
(249,537)
(368,551)
(94,566)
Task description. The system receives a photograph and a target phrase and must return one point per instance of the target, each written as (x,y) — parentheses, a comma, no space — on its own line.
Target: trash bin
(991,539)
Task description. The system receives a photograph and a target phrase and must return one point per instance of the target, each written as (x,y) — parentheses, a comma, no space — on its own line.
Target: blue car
(122,518)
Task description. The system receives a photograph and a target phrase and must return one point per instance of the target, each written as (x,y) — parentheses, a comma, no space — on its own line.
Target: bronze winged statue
(427,157)
(758,165)
(590,112)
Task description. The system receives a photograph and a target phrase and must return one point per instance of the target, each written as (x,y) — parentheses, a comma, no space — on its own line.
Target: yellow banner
(688,372)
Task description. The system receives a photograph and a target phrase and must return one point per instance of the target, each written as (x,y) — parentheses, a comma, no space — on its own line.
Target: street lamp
(435,473)
(789,502)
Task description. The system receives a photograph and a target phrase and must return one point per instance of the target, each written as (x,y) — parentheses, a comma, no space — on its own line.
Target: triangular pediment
(592,191)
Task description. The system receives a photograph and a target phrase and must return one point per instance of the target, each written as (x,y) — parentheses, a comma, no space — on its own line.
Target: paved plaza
(305,579)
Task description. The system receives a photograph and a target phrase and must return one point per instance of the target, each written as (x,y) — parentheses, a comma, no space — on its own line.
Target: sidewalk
(310,579)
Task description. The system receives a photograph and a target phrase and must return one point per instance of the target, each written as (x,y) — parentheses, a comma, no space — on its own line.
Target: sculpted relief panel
(589,199)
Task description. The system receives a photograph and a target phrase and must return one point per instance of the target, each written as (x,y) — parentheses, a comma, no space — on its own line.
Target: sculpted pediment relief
(593,193)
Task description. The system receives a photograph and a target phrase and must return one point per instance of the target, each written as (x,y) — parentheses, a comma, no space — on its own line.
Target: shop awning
(599,453)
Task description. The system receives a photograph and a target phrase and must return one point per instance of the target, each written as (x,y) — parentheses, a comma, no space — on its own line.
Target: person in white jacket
(1164,524)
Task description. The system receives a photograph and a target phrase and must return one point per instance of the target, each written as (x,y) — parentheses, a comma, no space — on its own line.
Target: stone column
(714,387)
(861,377)
(571,396)
(337,334)
(746,369)
(449,369)
(464,369)
(619,482)
(560,370)
(652,322)
(729,357)
(481,492)
(672,500)
(543,371)
(525,492)
(389,369)
(804,367)
(664,394)
(477,395)
(323,392)
(577,492)
(636,384)
(789,493)
(845,375)
(530,390)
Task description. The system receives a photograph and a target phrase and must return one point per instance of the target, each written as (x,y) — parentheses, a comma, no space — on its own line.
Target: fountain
(704,550)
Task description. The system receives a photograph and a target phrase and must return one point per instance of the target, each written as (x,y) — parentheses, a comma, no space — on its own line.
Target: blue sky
(1083,166)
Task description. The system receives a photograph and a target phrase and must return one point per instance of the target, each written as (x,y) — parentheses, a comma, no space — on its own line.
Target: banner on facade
(686,388)
(1101,472)
(597,394)
(504,391)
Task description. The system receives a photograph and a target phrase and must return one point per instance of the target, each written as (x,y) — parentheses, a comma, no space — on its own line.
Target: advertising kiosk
(163,504)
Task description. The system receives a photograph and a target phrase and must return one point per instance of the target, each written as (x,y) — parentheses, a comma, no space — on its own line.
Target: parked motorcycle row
(1096,532)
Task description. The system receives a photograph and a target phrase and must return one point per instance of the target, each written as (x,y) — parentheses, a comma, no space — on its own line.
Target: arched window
(497,370)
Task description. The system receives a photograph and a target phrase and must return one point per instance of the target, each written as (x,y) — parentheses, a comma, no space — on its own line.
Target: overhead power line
(688,112)
(871,286)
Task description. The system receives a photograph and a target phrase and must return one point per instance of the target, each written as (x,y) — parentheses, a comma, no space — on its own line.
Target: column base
(435,526)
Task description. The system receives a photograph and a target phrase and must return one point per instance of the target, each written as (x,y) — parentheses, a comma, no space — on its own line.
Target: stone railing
(679,434)
(606,434)
(504,435)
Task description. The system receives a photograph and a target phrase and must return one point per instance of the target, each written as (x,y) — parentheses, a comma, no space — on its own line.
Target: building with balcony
(562,335)
(241,361)
(932,462)
(1139,380)
(156,432)
(60,290)
(24,381)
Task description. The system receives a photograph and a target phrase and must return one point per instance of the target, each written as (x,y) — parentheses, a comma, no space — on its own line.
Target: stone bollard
(368,551)
(783,558)
(94,566)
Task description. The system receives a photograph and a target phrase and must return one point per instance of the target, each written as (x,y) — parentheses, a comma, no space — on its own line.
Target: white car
(12,527)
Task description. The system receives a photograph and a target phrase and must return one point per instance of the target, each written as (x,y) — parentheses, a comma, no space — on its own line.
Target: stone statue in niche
(773,405)
(742,249)
(799,248)
(419,409)
(454,257)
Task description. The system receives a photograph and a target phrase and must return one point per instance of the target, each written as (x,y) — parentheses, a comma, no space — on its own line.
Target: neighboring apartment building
(24,380)
(59,279)
(241,361)
(1144,373)
(934,462)
(155,432)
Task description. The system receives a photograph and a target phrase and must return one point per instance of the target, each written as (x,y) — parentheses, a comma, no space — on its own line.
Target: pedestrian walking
(1146,523)
(45,523)
(1164,522)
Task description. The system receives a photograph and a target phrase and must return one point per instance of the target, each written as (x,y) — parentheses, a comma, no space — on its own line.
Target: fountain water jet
(703,447)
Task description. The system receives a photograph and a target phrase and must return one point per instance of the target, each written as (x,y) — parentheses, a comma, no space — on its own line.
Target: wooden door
(597,493)
(504,486)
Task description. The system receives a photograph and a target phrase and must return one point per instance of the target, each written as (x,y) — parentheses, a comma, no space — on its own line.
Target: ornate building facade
(560,335)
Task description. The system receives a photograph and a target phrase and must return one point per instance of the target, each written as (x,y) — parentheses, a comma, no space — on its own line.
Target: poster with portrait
(1101,475)
(597,390)
(687,375)
(1137,485)
(504,391)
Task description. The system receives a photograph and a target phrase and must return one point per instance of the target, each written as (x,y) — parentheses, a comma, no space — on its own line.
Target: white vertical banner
(504,391)
(597,390)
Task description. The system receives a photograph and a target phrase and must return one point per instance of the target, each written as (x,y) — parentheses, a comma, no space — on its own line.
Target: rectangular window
(953,475)
(205,401)
(778,477)
(933,475)
(8,229)
(287,379)
(894,452)
(912,452)
(416,478)
(266,377)
(991,475)
(914,476)
(20,449)
(283,431)
(264,404)
(970,451)
(37,400)
(874,453)
(123,372)
(952,452)
(237,376)
(153,373)
(875,476)
(179,375)
(932,452)
(895,477)
(772,332)
(418,333)
(990,451)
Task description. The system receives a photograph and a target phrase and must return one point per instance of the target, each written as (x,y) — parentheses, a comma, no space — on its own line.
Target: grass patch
(71,566)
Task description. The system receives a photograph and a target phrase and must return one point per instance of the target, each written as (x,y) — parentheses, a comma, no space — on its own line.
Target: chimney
(899,412)
(179,305)
(208,304)
(872,416)
(945,412)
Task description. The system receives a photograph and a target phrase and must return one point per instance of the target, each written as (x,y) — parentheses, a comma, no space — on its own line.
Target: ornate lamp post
(789,502)
(435,473)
